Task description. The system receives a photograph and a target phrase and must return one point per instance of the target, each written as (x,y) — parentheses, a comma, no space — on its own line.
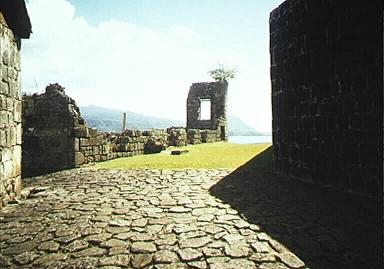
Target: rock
(141,260)
(154,146)
(93,251)
(24,258)
(189,254)
(143,247)
(76,246)
(97,238)
(236,251)
(194,242)
(50,246)
(117,260)
(165,256)
(291,260)
(114,243)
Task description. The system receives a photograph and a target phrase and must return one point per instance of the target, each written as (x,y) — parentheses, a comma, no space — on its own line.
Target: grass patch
(211,155)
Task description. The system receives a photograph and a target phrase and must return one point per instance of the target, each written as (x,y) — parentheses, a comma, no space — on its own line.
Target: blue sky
(142,55)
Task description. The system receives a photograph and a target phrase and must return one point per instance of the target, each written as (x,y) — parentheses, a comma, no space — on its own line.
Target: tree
(222,73)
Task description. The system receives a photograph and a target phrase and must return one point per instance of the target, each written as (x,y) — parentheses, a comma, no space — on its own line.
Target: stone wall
(51,122)
(10,115)
(326,59)
(216,92)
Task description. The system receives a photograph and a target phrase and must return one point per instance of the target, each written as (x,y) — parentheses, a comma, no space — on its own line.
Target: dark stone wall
(217,93)
(326,64)
(50,122)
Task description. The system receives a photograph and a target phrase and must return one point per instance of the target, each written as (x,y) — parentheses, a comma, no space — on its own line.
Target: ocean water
(250,139)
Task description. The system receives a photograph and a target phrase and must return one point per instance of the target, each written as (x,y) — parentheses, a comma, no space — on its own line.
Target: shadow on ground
(325,228)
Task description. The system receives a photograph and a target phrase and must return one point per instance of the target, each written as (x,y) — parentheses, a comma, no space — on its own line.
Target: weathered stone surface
(143,247)
(236,251)
(291,260)
(194,242)
(114,243)
(50,246)
(141,260)
(190,254)
(92,251)
(116,260)
(25,258)
(165,256)
(76,246)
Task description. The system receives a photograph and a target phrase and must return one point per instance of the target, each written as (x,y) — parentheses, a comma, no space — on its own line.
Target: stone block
(79,158)
(17,111)
(84,142)
(82,131)
(16,161)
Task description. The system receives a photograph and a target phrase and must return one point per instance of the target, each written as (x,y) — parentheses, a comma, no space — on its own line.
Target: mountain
(238,127)
(110,120)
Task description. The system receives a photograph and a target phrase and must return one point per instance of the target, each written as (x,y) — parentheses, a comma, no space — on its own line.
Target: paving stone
(190,254)
(141,260)
(241,263)
(97,238)
(179,209)
(194,242)
(143,247)
(118,250)
(18,248)
(261,247)
(198,265)
(236,251)
(24,258)
(113,243)
(92,251)
(76,246)
(120,223)
(50,246)
(290,259)
(116,260)
(52,257)
(140,222)
(165,256)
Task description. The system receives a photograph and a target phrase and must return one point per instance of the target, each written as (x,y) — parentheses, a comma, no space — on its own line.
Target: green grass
(211,155)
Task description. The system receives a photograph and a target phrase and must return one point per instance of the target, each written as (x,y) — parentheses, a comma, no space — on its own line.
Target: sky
(143,55)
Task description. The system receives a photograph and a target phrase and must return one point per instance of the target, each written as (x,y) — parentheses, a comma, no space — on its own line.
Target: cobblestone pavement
(86,218)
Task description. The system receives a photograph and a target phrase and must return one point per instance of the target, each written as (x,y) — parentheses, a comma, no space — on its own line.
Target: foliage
(222,73)
(211,155)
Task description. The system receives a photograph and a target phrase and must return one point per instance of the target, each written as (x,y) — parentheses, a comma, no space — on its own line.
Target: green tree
(222,73)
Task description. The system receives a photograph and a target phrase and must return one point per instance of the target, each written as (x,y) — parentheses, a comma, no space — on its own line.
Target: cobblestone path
(87,218)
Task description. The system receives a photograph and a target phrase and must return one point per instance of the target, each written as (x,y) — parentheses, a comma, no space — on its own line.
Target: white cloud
(122,65)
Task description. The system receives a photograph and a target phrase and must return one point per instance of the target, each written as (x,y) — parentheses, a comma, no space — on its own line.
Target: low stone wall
(193,136)
(177,136)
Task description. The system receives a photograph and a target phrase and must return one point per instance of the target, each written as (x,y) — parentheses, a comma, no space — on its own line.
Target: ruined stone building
(14,25)
(326,72)
(213,96)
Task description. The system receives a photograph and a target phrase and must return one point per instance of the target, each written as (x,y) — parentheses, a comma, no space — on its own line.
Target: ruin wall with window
(326,72)
(216,126)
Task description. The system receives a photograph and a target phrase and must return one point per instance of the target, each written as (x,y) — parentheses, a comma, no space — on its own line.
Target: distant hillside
(110,120)
(238,127)
(106,119)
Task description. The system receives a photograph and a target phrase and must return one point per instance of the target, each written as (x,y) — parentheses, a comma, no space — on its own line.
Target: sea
(250,139)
